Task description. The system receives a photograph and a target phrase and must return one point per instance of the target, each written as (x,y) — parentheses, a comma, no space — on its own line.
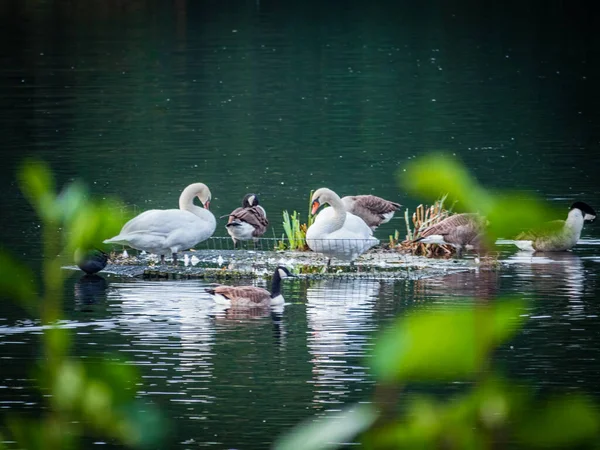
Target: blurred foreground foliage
(455,346)
(84,398)
(507,213)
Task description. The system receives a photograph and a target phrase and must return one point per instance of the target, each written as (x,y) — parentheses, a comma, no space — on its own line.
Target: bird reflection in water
(168,323)
(248,315)
(90,290)
(481,285)
(552,274)
(340,320)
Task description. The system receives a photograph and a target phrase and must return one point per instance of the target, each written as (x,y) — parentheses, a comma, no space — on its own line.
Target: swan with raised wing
(335,232)
(164,231)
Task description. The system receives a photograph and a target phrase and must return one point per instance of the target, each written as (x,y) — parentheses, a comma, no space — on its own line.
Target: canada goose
(162,231)
(370,208)
(558,235)
(335,232)
(251,296)
(247,222)
(462,231)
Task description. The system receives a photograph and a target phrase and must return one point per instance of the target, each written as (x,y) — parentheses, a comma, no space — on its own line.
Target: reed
(423,217)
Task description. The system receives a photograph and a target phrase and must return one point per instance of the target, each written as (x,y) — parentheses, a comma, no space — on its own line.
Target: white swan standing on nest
(163,231)
(335,232)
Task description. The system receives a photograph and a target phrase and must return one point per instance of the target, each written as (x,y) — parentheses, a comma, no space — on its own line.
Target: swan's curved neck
(186,199)
(339,217)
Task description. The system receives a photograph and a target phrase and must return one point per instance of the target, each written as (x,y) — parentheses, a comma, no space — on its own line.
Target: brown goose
(370,208)
(251,296)
(462,231)
(558,235)
(247,222)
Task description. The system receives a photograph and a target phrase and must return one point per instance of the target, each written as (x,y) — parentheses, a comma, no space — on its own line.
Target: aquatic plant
(295,230)
(450,346)
(83,398)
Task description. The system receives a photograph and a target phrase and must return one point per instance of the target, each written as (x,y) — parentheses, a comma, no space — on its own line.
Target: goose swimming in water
(558,235)
(168,231)
(247,222)
(251,296)
(336,232)
(462,231)
(373,210)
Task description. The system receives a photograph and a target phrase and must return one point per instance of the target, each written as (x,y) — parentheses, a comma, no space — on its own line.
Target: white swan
(162,231)
(336,232)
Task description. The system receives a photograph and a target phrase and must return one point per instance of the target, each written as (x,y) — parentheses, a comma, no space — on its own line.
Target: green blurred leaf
(564,421)
(330,431)
(444,345)
(437,174)
(17,280)
(37,184)
(68,386)
(507,213)
(92,223)
(71,201)
(510,213)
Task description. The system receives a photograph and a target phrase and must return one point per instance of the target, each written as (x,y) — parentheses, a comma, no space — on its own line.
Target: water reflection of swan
(339,314)
(88,290)
(169,328)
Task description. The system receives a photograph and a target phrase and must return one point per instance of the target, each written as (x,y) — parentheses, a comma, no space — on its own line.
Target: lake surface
(140,98)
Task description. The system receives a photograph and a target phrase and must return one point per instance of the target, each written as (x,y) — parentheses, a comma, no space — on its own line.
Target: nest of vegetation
(423,217)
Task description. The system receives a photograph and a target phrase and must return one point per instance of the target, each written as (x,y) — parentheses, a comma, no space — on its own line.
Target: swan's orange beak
(315,206)
(207,204)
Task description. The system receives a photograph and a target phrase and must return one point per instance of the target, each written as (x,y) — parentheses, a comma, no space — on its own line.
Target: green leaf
(438,174)
(92,223)
(330,431)
(562,422)
(37,184)
(17,280)
(71,200)
(511,213)
(446,345)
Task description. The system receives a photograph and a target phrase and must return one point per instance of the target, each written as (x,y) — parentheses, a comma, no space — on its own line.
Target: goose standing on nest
(558,235)
(167,231)
(247,222)
(335,232)
(251,296)
(461,231)
(370,208)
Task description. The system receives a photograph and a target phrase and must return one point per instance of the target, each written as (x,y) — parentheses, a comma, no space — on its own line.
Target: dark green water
(141,98)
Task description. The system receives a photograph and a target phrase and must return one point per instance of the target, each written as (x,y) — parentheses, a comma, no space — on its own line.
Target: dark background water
(140,98)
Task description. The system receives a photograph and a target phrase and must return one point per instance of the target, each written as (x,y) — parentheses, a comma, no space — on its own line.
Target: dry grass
(423,217)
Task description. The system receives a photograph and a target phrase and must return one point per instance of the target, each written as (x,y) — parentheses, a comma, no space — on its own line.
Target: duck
(248,221)
(374,210)
(91,261)
(251,296)
(558,235)
(168,231)
(464,231)
(336,232)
